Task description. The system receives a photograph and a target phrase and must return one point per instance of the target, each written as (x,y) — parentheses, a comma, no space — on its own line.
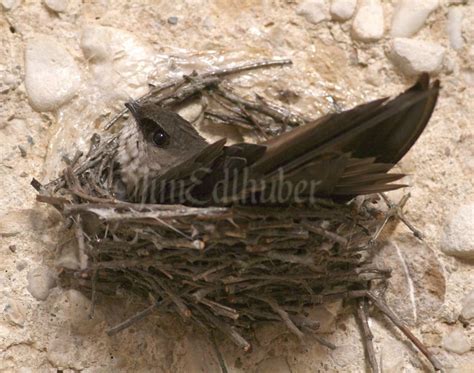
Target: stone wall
(65,66)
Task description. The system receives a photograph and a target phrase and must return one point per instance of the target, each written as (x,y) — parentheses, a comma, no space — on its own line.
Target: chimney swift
(163,159)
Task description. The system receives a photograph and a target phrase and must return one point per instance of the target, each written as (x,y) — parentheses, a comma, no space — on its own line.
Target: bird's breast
(134,159)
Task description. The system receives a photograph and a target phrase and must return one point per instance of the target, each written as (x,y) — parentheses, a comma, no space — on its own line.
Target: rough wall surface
(75,62)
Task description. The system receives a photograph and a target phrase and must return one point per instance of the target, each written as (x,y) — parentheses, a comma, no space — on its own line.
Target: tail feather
(376,135)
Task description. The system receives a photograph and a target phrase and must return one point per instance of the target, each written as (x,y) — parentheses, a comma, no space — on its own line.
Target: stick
(400,325)
(283,315)
(367,336)
(396,210)
(226,329)
(94,294)
(137,317)
(216,73)
(280,115)
(220,358)
(324,342)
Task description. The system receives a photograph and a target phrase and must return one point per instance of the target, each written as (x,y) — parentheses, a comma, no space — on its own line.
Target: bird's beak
(134,108)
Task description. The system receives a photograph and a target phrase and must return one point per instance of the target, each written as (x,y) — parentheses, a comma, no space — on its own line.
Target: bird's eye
(161,138)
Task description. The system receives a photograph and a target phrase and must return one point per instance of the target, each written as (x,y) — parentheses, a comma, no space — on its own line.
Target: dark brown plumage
(340,155)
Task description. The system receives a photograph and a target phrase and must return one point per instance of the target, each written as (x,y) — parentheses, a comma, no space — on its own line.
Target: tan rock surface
(328,67)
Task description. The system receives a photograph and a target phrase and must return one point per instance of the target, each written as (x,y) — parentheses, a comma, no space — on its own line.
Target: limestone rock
(40,281)
(313,11)
(52,76)
(14,313)
(467,312)
(457,342)
(368,22)
(64,355)
(10,4)
(413,56)
(410,16)
(458,237)
(342,10)
(58,6)
(393,356)
(73,306)
(118,60)
(454,27)
(417,286)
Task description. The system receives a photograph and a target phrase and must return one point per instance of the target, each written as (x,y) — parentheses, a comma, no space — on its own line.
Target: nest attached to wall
(224,269)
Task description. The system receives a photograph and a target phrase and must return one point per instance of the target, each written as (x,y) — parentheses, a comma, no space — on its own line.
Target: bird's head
(153,141)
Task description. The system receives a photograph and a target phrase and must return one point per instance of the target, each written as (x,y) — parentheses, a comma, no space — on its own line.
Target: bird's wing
(350,152)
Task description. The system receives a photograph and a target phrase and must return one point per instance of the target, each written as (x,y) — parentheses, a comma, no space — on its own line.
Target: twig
(216,73)
(94,294)
(226,329)
(324,342)
(280,115)
(367,336)
(397,211)
(283,315)
(255,122)
(220,358)
(137,317)
(82,256)
(183,310)
(228,119)
(400,325)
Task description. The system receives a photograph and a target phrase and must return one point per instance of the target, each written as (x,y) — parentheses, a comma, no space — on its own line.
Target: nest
(222,268)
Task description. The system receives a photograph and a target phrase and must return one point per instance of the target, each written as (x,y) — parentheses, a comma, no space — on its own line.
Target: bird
(163,159)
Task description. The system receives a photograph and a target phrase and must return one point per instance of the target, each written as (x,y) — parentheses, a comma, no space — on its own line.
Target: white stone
(75,307)
(62,354)
(119,61)
(40,281)
(413,56)
(410,16)
(58,6)
(454,27)
(368,24)
(313,11)
(457,342)
(458,237)
(10,4)
(51,74)
(393,357)
(342,10)
(14,312)
(467,312)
